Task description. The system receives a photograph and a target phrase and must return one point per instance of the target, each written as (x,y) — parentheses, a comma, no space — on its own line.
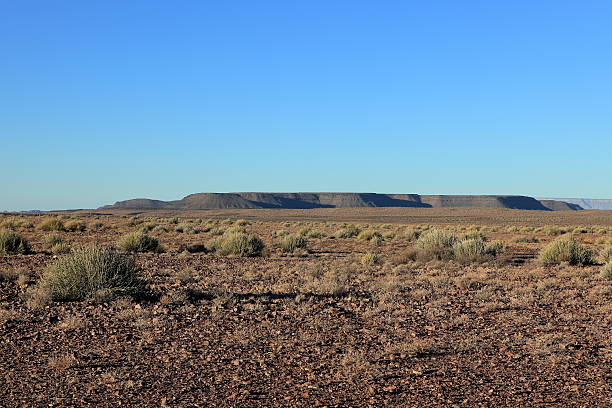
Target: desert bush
(13,243)
(566,249)
(51,224)
(75,226)
(475,250)
(293,242)
(238,243)
(370,258)
(242,223)
(474,235)
(377,240)
(436,239)
(138,242)
(53,239)
(60,248)
(606,271)
(606,254)
(368,235)
(89,271)
(348,232)
(526,240)
(411,234)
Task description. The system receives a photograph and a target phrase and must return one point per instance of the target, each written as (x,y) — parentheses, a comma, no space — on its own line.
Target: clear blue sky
(109,100)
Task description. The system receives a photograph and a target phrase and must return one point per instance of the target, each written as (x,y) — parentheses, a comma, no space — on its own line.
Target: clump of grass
(437,239)
(60,248)
(527,240)
(348,232)
(138,242)
(475,250)
(237,243)
(370,258)
(606,271)
(242,223)
(51,224)
(436,244)
(293,242)
(411,234)
(89,271)
(53,239)
(75,226)
(606,254)
(368,235)
(13,243)
(566,249)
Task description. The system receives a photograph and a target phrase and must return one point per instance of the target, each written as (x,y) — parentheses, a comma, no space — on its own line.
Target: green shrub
(606,271)
(13,243)
(51,224)
(566,249)
(138,242)
(293,242)
(238,243)
(89,272)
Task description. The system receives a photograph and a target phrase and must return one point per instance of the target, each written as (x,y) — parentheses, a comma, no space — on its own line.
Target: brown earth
(319,328)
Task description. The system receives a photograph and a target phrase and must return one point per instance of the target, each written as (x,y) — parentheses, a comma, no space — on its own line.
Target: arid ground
(345,322)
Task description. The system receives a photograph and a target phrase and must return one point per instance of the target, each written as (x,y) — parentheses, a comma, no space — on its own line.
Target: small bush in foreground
(138,242)
(89,271)
(566,249)
(13,243)
(293,242)
(236,243)
(51,224)
(606,271)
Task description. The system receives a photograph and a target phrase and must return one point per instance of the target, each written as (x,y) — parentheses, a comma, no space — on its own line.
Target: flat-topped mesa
(254,200)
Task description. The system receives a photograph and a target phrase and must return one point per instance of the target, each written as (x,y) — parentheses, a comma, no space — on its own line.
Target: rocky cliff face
(204,201)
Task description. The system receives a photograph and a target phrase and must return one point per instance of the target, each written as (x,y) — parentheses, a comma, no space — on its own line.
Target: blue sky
(109,100)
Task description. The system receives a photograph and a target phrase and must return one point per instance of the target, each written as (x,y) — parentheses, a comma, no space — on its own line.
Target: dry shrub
(13,243)
(606,254)
(89,273)
(566,249)
(237,243)
(370,258)
(606,271)
(293,242)
(348,232)
(51,224)
(138,242)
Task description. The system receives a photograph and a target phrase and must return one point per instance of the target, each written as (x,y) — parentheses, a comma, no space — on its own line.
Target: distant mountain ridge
(586,203)
(246,200)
